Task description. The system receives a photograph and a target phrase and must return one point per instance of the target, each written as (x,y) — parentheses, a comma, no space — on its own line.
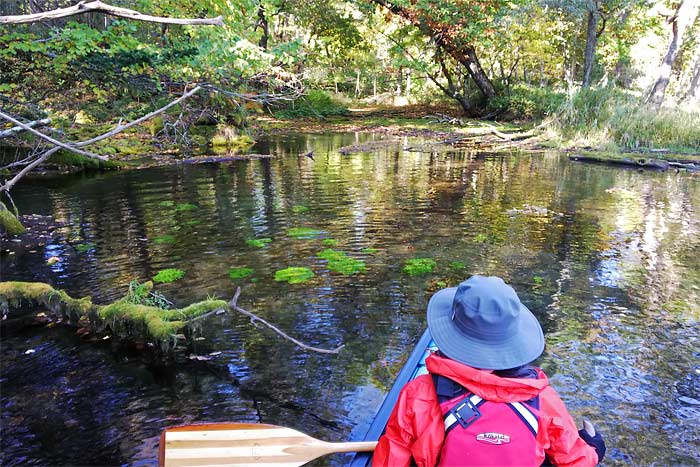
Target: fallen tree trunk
(18,129)
(125,318)
(97,6)
(644,163)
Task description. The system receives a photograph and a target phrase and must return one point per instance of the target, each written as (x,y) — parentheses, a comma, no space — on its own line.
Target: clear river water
(608,259)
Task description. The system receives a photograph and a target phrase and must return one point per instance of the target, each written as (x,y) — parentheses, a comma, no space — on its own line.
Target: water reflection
(608,259)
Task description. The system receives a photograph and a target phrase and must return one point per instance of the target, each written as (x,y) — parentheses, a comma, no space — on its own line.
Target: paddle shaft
(354,446)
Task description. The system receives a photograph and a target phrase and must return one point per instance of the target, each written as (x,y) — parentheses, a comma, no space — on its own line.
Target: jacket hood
(487,385)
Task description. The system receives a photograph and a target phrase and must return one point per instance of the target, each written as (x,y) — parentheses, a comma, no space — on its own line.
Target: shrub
(315,104)
(528,102)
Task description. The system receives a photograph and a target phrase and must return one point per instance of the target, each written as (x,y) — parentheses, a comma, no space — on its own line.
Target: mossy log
(9,222)
(125,319)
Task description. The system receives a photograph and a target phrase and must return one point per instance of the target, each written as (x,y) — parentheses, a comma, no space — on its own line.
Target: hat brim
(523,347)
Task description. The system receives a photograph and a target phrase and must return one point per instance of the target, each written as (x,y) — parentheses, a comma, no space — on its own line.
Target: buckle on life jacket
(466,412)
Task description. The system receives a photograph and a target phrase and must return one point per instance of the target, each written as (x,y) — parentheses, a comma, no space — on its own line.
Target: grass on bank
(609,118)
(606,119)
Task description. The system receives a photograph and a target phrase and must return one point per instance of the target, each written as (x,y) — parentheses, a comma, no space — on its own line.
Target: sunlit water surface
(608,260)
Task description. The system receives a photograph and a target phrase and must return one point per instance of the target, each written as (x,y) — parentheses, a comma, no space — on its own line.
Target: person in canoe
(482,403)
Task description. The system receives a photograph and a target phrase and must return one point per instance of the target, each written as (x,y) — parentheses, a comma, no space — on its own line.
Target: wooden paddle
(244,444)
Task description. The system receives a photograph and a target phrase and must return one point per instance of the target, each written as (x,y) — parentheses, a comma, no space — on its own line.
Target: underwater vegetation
(304,232)
(186,207)
(168,275)
(166,204)
(84,247)
(257,242)
(300,209)
(240,273)
(457,265)
(164,239)
(294,275)
(418,266)
(340,262)
(329,242)
(369,251)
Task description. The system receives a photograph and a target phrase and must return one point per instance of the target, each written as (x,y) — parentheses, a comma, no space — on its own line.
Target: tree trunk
(263,23)
(464,54)
(591,43)
(468,58)
(691,93)
(684,15)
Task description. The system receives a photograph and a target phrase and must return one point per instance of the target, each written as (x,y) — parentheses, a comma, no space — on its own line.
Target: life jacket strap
(465,412)
(526,416)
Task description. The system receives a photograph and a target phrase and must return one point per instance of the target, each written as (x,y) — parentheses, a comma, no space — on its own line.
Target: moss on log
(124,318)
(9,222)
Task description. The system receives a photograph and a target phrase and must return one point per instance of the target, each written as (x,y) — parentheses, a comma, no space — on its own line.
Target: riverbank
(145,146)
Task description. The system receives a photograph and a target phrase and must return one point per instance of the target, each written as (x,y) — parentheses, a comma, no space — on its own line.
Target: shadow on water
(608,260)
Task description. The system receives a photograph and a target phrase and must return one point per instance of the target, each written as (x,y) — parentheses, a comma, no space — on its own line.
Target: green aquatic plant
(329,242)
(538,280)
(186,207)
(418,266)
(369,251)
(164,239)
(166,204)
(143,294)
(84,247)
(258,242)
(168,275)
(300,209)
(193,222)
(240,273)
(294,275)
(303,232)
(481,238)
(341,263)
(457,265)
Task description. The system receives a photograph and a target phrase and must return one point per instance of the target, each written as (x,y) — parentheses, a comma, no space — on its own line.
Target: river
(608,259)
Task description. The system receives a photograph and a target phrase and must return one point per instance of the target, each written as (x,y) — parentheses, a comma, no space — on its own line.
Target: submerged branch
(97,6)
(254,318)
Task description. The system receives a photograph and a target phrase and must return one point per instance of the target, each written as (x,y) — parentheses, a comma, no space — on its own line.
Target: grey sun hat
(483,324)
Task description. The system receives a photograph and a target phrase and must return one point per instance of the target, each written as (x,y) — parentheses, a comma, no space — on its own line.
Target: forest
(605,72)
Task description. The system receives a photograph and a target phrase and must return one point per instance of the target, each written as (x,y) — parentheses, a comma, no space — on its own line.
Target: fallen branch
(18,129)
(67,147)
(254,318)
(511,136)
(8,185)
(97,6)
(73,146)
(119,128)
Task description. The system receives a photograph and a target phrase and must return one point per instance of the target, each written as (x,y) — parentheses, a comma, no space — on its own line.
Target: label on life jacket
(486,433)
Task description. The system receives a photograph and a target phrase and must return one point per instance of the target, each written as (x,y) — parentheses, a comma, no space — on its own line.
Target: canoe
(414,367)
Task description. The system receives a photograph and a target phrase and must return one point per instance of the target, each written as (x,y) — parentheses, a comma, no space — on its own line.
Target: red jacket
(416,428)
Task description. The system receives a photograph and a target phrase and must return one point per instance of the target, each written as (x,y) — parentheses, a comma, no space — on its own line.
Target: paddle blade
(243,444)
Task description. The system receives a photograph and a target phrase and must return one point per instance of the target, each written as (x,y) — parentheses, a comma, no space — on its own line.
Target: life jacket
(485,433)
